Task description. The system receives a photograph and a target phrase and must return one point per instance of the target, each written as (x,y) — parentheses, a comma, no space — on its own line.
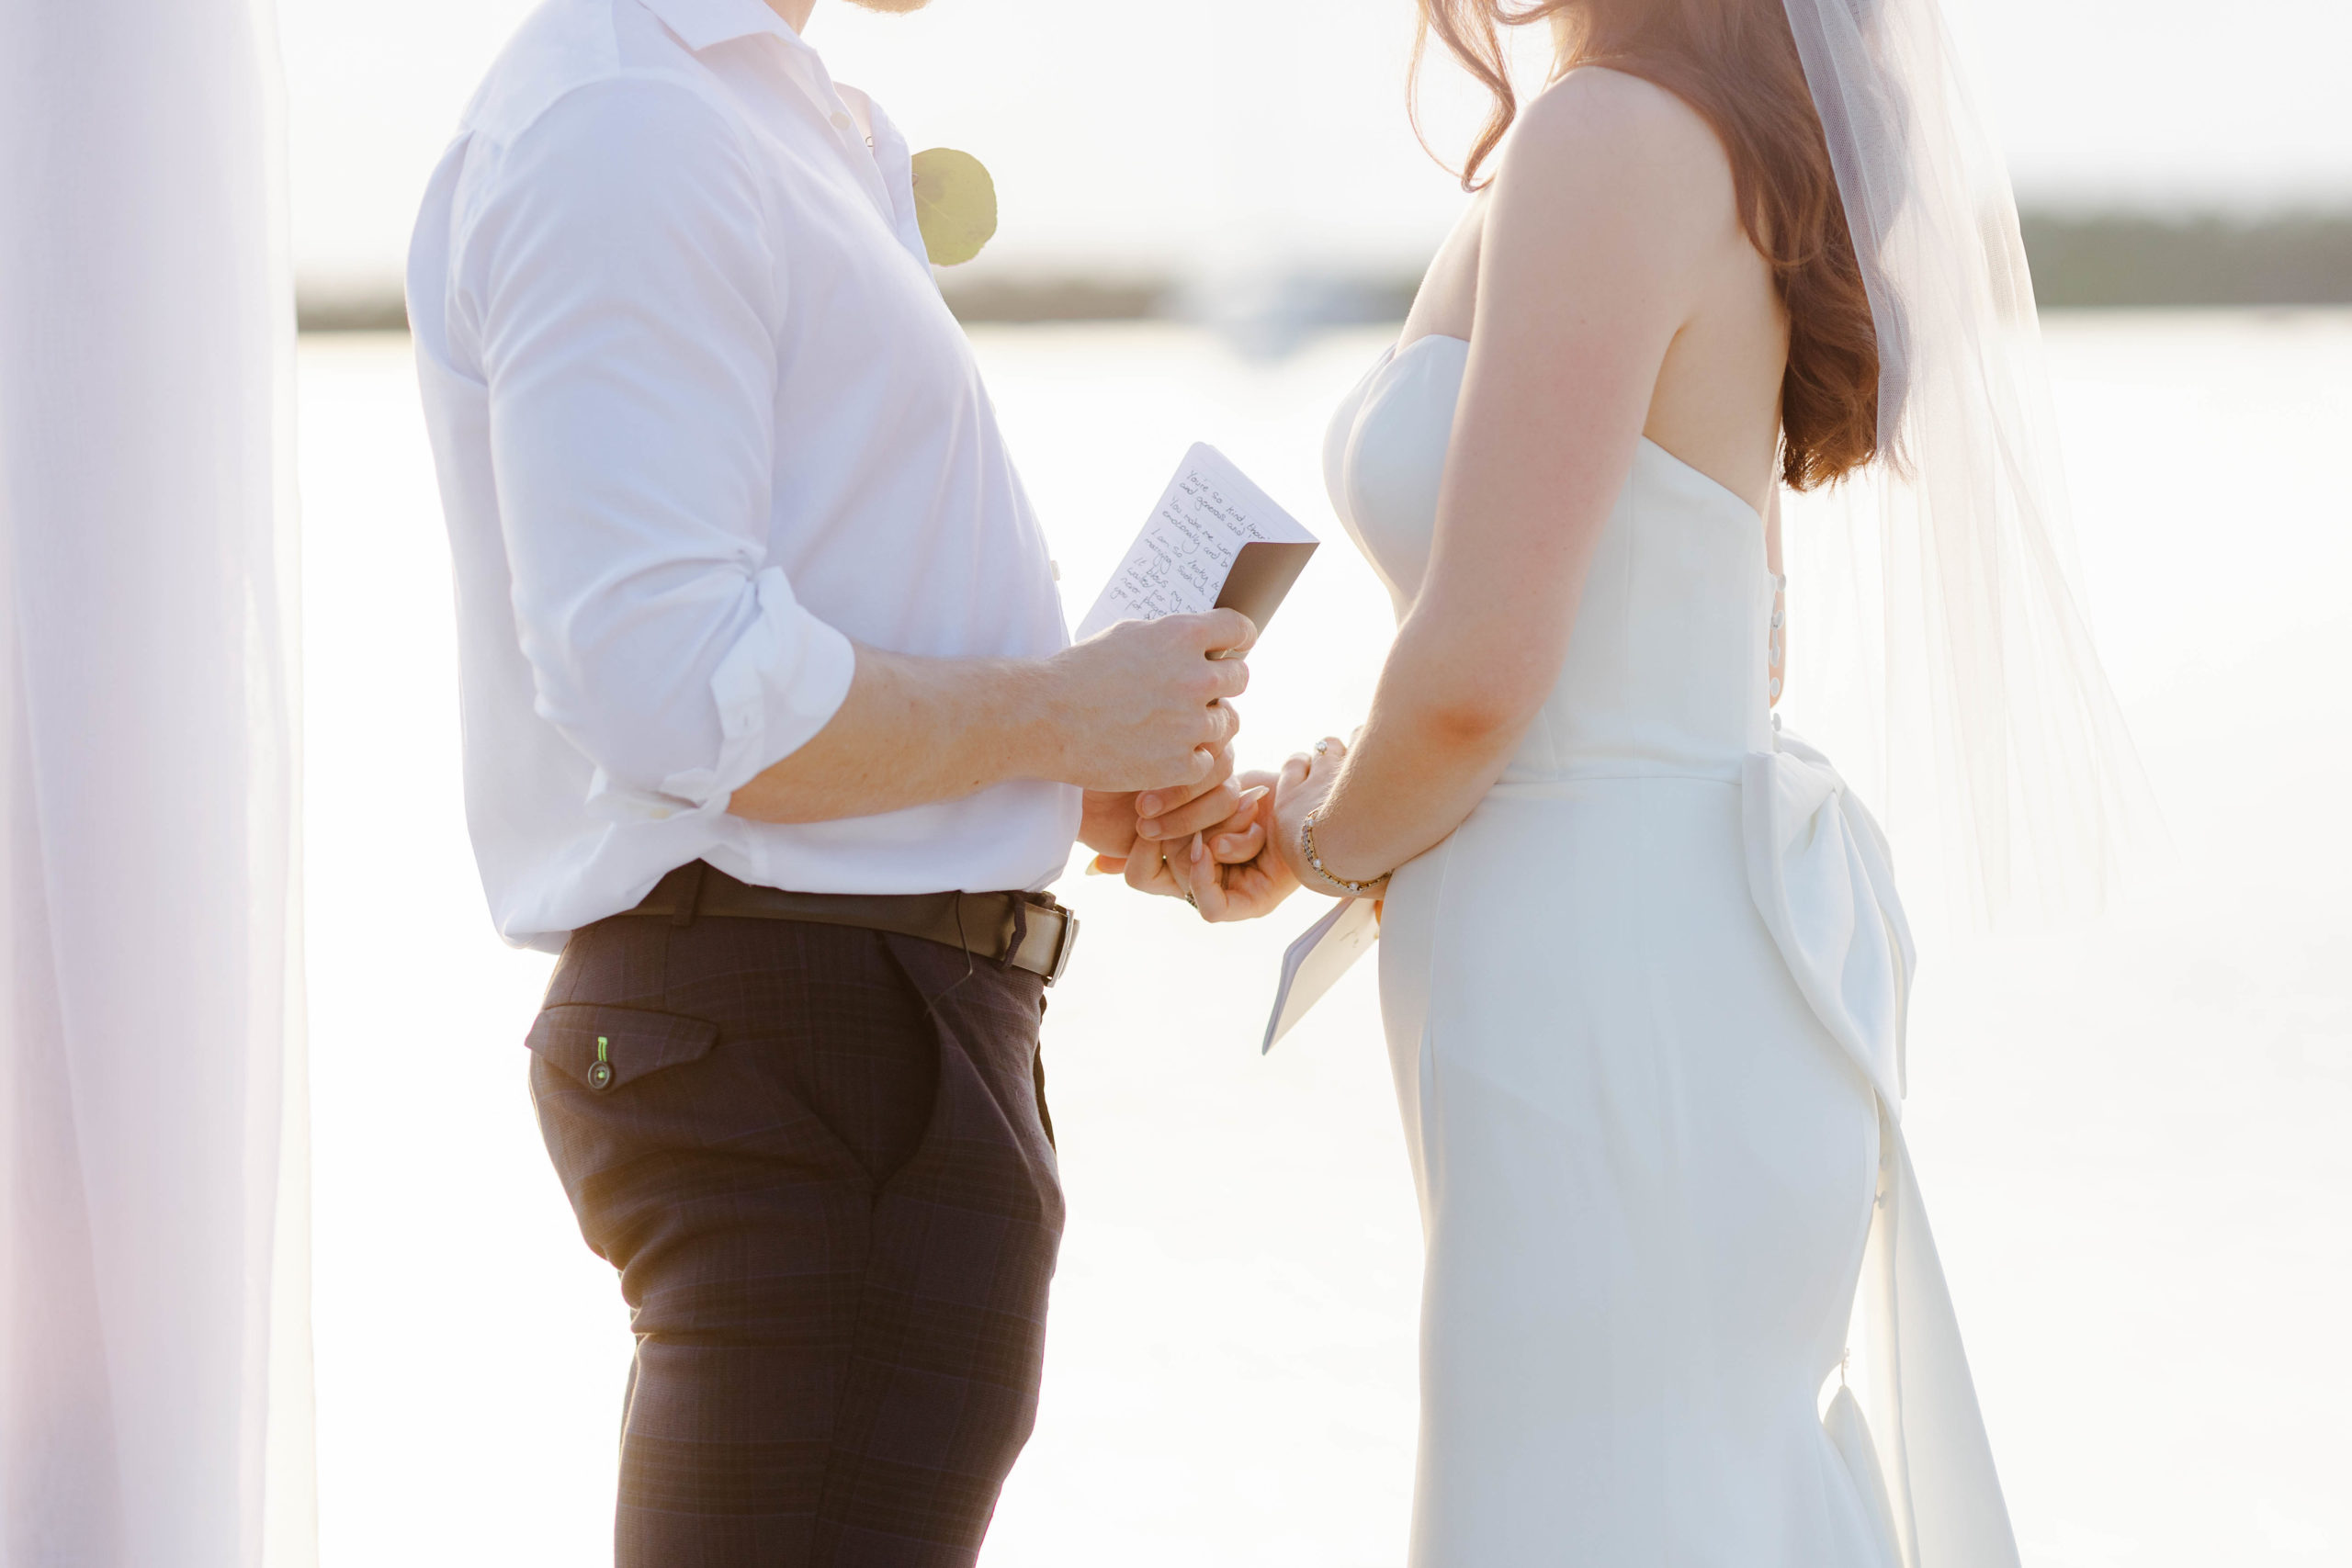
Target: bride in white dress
(1643,966)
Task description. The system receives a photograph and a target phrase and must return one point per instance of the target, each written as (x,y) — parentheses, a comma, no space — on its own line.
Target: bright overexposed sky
(1270,134)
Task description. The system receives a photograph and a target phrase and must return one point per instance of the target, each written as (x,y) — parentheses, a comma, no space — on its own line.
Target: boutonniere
(954,205)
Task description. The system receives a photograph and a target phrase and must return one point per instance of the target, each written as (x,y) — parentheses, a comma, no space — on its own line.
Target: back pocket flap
(604,1047)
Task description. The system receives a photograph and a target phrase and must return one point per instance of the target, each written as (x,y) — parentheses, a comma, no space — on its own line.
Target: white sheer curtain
(154,1354)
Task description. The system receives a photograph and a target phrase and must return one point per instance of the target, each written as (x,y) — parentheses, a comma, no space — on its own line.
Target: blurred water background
(2133,1134)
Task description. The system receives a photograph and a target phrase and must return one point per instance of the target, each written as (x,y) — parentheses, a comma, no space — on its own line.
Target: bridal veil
(1942,648)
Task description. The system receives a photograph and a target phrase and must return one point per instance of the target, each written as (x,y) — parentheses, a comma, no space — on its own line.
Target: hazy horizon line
(2079,260)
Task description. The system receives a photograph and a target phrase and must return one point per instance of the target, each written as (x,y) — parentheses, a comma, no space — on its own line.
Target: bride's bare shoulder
(1593,106)
(1601,132)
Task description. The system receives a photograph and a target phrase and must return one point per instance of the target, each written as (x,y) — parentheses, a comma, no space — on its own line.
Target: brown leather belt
(1028,931)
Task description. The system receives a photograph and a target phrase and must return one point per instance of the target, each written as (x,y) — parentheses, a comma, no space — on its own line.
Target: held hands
(1134,832)
(1241,876)
(1146,726)
(1146,706)
(1244,866)
(1220,866)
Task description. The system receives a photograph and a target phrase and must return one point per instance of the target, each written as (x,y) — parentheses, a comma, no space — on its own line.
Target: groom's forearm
(1142,707)
(910,732)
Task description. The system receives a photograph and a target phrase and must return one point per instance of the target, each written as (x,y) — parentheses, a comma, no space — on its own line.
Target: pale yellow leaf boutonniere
(954,205)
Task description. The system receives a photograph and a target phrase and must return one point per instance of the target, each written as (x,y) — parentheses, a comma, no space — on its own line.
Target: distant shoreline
(2080,261)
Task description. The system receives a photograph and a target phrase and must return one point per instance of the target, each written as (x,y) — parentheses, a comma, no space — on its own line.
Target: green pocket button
(600,1076)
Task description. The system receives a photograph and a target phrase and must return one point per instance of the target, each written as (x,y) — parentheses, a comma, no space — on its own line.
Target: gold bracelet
(1306,846)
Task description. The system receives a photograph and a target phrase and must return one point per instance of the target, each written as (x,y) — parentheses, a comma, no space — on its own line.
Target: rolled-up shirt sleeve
(626,305)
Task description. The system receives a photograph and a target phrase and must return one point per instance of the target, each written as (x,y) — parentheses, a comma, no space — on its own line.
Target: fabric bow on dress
(1907,1425)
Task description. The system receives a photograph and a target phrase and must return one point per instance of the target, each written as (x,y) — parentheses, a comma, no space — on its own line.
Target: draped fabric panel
(154,1358)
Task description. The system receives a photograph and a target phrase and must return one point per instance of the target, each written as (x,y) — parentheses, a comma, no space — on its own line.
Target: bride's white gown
(1644,1008)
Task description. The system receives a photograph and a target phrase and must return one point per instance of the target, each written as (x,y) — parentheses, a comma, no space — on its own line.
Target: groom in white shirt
(772,729)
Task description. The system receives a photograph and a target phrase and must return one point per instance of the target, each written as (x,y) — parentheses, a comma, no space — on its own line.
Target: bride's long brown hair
(1735,63)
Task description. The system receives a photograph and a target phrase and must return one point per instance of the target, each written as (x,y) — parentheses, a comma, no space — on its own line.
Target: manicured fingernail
(1148,829)
(1228,845)
(1148,805)
(1252,795)
(1096,868)
(1199,849)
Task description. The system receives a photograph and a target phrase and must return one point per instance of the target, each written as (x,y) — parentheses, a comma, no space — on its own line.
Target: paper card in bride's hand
(1316,961)
(1215,542)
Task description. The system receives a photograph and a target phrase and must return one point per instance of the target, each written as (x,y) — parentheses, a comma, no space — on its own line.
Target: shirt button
(841,122)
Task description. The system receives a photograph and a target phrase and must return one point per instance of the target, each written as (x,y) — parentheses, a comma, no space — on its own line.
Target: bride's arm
(1606,214)
(1777,655)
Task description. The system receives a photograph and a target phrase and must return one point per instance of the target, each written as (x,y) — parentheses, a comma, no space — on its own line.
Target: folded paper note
(1316,961)
(1215,542)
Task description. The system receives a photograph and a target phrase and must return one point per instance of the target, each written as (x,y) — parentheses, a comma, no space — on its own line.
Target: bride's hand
(1305,784)
(1238,840)
(1133,833)
(1241,878)
(1165,851)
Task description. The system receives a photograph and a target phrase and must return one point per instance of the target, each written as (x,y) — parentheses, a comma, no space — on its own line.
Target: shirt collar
(704,24)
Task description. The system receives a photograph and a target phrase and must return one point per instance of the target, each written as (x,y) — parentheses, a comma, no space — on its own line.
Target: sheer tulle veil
(1940,647)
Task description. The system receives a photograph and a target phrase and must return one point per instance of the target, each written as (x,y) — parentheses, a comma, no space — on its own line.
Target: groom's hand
(1115,820)
(1144,706)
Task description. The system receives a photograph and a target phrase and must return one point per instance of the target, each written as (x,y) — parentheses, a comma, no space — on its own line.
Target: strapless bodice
(1668,666)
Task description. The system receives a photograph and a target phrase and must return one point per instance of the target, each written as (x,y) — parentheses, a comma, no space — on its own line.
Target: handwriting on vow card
(1215,539)
(1179,566)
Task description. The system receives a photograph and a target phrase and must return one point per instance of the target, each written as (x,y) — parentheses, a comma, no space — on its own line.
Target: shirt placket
(809,76)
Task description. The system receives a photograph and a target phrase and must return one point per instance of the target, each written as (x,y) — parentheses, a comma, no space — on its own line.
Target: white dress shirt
(701,418)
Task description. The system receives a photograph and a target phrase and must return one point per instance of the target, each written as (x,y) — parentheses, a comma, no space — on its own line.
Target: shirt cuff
(778,686)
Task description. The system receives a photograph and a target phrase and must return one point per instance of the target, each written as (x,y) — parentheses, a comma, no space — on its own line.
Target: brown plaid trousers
(819,1159)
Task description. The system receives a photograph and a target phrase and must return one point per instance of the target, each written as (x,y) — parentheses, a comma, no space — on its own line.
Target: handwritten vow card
(1215,541)
(1316,959)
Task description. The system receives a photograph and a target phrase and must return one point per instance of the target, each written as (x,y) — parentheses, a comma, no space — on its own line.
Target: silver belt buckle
(1064,948)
